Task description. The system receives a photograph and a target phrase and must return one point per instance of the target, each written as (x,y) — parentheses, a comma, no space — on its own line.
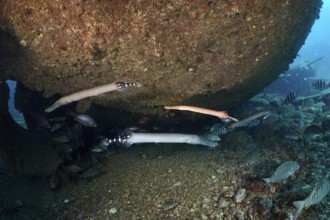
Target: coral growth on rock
(193,52)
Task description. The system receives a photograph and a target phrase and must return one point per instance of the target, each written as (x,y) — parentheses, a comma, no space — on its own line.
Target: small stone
(204,217)
(170,206)
(205,206)
(240,195)
(23,43)
(206,200)
(214,179)
(223,203)
(229,194)
(66,201)
(272,189)
(113,210)
(144,156)
(177,184)
(239,215)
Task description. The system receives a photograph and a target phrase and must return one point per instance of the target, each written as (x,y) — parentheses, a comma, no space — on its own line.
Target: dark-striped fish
(290,97)
(320,84)
(244,122)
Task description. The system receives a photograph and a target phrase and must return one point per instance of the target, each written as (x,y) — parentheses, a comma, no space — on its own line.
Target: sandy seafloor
(180,181)
(161,182)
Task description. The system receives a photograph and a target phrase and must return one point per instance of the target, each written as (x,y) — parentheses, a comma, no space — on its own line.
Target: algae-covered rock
(192,52)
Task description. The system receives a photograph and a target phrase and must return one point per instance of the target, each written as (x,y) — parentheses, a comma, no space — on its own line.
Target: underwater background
(245,177)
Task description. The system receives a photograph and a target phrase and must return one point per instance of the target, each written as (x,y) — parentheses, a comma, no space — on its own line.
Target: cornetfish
(245,121)
(118,85)
(219,114)
(129,138)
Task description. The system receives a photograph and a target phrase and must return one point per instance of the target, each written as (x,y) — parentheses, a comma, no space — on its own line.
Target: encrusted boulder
(207,52)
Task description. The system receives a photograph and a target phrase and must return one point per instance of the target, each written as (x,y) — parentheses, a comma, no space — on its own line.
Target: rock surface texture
(205,52)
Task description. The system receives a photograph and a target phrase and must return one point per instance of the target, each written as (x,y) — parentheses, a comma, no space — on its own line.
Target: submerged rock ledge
(192,52)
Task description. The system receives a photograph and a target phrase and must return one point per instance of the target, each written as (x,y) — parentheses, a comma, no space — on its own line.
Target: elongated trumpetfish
(129,138)
(244,122)
(116,86)
(219,114)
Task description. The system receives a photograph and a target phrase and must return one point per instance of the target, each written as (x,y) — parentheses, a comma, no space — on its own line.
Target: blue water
(316,48)
(15,114)
(318,44)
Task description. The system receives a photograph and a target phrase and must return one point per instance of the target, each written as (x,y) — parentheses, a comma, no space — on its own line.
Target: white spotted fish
(321,189)
(284,171)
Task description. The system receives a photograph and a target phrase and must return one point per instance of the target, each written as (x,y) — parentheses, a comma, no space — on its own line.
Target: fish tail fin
(266,180)
(299,206)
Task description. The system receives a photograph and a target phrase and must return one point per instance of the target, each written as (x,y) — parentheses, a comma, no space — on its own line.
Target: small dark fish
(292,96)
(104,143)
(57,119)
(320,84)
(85,120)
(56,126)
(38,121)
(312,133)
(101,146)
(72,168)
(61,139)
(292,136)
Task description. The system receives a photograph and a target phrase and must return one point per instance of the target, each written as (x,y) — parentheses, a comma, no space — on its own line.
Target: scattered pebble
(113,210)
(177,184)
(144,156)
(240,195)
(171,206)
(223,203)
(229,193)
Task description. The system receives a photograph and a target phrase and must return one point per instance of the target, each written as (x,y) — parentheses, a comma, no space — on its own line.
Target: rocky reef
(192,52)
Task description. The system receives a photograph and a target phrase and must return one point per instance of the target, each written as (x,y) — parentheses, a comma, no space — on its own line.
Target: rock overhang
(209,53)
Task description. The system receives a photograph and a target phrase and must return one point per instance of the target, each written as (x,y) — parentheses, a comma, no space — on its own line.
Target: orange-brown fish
(219,114)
